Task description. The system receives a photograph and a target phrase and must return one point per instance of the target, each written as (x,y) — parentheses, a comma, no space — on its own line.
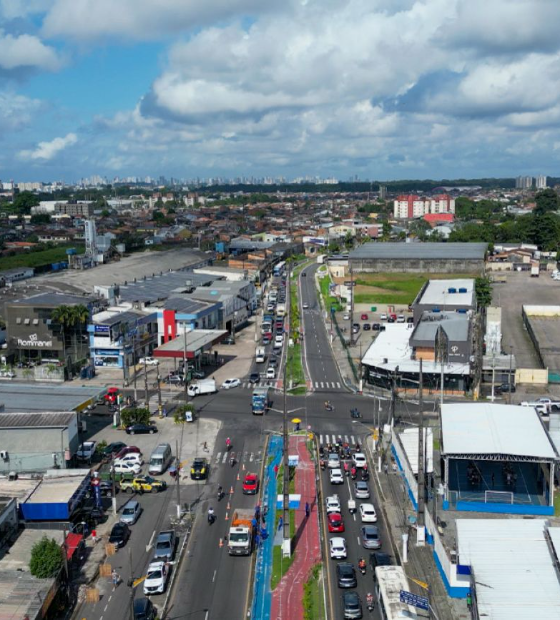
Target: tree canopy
(46,558)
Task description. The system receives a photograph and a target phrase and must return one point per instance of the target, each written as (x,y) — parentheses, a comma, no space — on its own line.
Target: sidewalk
(396,509)
(287,598)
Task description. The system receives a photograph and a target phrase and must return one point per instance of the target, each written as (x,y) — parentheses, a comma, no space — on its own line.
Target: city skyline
(381,90)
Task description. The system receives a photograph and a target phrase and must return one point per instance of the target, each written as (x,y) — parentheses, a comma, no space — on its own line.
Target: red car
(364,317)
(111,396)
(336,524)
(128,450)
(251,484)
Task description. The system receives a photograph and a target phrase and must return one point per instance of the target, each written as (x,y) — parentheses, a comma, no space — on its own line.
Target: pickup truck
(537,406)
(549,403)
(143,484)
(86,451)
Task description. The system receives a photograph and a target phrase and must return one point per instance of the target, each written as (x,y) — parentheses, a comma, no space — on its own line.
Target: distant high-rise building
(524,182)
(382,192)
(540,182)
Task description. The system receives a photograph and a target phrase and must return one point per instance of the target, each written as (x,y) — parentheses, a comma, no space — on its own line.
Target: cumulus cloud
(47,150)
(26,51)
(12,9)
(16,111)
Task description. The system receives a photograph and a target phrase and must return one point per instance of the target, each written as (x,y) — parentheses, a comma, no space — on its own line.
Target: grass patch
(38,258)
(280,566)
(437,445)
(328,299)
(313,607)
(297,270)
(557,505)
(298,391)
(294,367)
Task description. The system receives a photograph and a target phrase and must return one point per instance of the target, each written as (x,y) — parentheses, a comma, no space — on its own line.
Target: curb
(177,567)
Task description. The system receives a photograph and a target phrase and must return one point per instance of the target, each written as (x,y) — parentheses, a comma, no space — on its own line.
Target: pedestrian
(257,512)
(385,468)
(254,522)
(115,578)
(164,412)
(263,519)
(94,536)
(307,510)
(257,539)
(276,470)
(280,523)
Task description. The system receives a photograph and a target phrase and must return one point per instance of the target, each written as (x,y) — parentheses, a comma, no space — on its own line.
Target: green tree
(483,292)
(24,201)
(62,315)
(135,415)
(157,216)
(105,213)
(41,218)
(46,558)
(547,200)
(179,413)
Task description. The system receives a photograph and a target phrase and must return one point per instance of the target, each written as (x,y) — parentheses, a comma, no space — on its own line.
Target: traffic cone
(238,476)
(228,507)
(221,543)
(227,516)
(242,466)
(231,490)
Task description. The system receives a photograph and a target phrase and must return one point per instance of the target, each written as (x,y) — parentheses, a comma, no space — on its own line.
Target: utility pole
(159,391)
(509,376)
(146,399)
(177,476)
(185,366)
(134,361)
(286,546)
(393,396)
(421,467)
(351,304)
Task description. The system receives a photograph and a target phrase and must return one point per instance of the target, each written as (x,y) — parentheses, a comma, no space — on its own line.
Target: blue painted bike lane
(262,595)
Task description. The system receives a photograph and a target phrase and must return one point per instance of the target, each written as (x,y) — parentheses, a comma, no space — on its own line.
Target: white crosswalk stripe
(338,386)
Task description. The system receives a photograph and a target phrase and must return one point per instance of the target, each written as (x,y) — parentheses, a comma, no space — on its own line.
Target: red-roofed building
(411,206)
(434,219)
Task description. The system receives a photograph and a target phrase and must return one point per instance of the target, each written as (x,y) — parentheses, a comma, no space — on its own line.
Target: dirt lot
(520,290)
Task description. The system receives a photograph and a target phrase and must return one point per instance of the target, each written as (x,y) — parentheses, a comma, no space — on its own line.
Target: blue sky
(384,89)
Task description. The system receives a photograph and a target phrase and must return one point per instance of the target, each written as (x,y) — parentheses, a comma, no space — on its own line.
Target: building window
(18,321)
(27,321)
(35,321)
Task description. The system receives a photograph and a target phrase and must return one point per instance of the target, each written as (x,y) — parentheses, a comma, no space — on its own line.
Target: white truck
(241,532)
(535,271)
(539,407)
(208,386)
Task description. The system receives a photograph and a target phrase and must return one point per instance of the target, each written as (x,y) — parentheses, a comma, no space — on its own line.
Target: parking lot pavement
(237,358)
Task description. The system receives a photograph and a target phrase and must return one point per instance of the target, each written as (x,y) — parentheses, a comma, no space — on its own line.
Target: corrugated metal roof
(409,440)
(513,568)
(456,326)
(408,251)
(35,420)
(486,428)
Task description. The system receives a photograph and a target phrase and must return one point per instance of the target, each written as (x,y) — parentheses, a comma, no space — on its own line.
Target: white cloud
(16,111)
(26,51)
(11,9)
(47,150)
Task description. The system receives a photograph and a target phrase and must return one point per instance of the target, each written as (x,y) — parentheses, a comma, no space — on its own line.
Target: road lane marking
(149,545)
(214,576)
(110,598)
(106,606)
(225,457)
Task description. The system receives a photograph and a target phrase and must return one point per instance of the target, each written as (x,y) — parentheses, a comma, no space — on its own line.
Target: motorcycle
(365,474)
(323,463)
(211,518)
(354,413)
(370,603)
(329,407)
(353,474)
(362,568)
(232,460)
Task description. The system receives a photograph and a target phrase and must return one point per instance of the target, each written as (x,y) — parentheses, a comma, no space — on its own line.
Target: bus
(389,581)
(279,268)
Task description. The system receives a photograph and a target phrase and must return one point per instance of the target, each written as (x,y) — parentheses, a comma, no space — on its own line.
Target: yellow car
(143,484)
(199,469)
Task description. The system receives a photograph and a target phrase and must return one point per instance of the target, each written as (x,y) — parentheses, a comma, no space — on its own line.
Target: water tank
(462,290)
(436,310)
(452,290)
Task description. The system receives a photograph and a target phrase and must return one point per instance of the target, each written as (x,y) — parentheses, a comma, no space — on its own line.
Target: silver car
(370,537)
(361,489)
(131,512)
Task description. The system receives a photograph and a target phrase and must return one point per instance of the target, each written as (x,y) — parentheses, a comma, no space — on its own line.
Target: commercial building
(36,442)
(456,295)
(411,206)
(467,258)
(543,327)
(74,209)
(9,276)
(182,313)
(442,334)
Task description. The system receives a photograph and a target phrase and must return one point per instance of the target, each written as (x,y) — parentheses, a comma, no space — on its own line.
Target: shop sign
(34,342)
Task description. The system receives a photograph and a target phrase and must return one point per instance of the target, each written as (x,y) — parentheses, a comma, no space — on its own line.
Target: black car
(254,377)
(351,606)
(89,515)
(140,428)
(273,362)
(113,448)
(367,327)
(346,575)
(199,469)
(303,274)
(144,609)
(375,327)
(119,534)
(390,319)
(505,388)
(105,489)
(378,558)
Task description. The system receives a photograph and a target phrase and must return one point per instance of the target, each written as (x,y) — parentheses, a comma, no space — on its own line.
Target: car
(279,339)
(113,449)
(156,578)
(141,429)
(335,523)
(270,373)
(400,318)
(333,460)
(364,317)
(366,327)
(346,316)
(112,395)
(92,516)
(303,274)
(505,388)
(144,609)
(383,316)
(337,548)
(355,328)
(336,476)
(267,339)
(375,327)
(148,361)
(174,380)
(164,548)
(105,489)
(86,451)
(370,537)
(143,484)
(367,513)
(128,450)
(390,319)
(332,504)
(254,377)
(131,457)
(198,374)
(131,512)
(361,489)
(277,349)
(228,384)
(378,558)
(351,606)
(272,362)
(359,459)
(346,575)
(199,468)
(305,305)
(119,534)
(251,484)
(228,340)
(121,467)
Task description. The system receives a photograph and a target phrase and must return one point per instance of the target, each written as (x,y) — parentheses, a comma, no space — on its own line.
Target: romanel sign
(33,341)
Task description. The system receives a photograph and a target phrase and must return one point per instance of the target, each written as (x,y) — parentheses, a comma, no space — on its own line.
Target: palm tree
(62,315)
(81,317)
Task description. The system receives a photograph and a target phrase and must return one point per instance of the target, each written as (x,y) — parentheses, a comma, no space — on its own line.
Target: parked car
(164,548)
(351,606)
(346,575)
(128,450)
(143,484)
(119,534)
(505,388)
(367,513)
(113,449)
(337,548)
(230,383)
(366,327)
(144,609)
(370,537)
(355,328)
(346,316)
(228,340)
(378,558)
(335,523)
(157,577)
(86,451)
(148,361)
(131,457)
(383,316)
(376,327)
(131,512)
(140,428)
(364,317)
(120,467)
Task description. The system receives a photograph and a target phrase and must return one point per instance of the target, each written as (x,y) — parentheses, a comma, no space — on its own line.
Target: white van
(260,355)
(160,459)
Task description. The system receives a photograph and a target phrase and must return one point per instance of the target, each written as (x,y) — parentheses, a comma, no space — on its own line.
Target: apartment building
(412,206)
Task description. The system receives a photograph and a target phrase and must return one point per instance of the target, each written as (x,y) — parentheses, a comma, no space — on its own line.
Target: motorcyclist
(228,443)
(353,473)
(211,515)
(369,600)
(220,492)
(362,564)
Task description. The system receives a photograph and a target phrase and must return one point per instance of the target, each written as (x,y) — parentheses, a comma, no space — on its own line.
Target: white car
(333,504)
(336,476)
(337,546)
(270,373)
(131,457)
(383,316)
(305,305)
(367,513)
(279,339)
(156,578)
(126,468)
(400,318)
(230,383)
(149,361)
(333,460)
(359,459)
(346,316)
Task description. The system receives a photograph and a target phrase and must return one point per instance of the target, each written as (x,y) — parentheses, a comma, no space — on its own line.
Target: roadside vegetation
(328,299)
(313,602)
(281,565)
(294,367)
(38,257)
